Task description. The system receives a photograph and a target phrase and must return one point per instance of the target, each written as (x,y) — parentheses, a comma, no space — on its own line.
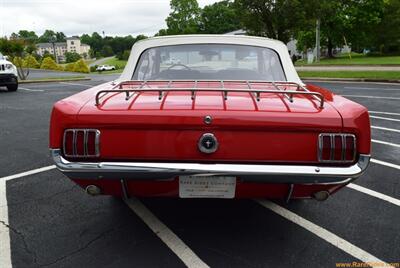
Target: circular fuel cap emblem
(208,143)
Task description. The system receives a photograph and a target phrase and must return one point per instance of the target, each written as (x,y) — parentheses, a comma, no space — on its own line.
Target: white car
(101,68)
(8,74)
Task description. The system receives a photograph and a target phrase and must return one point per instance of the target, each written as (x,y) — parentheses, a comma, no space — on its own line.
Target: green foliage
(18,62)
(12,47)
(47,54)
(22,71)
(107,51)
(81,67)
(69,67)
(219,18)
(387,34)
(28,36)
(72,57)
(49,64)
(124,55)
(276,19)
(31,62)
(93,68)
(184,18)
(50,35)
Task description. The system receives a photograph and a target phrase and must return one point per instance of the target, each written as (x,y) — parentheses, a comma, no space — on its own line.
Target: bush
(49,64)
(93,68)
(31,62)
(69,67)
(81,67)
(72,57)
(123,55)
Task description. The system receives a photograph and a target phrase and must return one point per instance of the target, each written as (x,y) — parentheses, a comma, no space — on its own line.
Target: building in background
(72,44)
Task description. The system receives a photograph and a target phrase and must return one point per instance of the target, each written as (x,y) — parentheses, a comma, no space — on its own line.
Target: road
(46,220)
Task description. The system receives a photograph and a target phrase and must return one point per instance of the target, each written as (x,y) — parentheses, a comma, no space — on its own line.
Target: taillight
(336,148)
(81,143)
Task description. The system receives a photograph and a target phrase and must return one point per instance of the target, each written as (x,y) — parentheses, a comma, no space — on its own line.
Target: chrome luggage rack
(143,86)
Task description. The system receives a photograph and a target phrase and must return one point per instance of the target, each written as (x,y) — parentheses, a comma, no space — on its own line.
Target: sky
(75,17)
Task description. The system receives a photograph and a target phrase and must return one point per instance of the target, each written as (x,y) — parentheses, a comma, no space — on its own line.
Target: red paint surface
(273,129)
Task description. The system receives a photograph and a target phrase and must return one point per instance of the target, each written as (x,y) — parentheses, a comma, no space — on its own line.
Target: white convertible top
(278,46)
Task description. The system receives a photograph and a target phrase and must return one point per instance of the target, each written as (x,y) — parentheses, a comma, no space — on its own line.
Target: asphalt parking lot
(47,221)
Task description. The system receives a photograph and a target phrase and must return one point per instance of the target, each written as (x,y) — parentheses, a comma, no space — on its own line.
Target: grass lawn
(356,59)
(352,74)
(61,78)
(119,64)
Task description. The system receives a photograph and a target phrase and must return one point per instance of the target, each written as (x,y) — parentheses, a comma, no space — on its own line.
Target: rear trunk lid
(165,121)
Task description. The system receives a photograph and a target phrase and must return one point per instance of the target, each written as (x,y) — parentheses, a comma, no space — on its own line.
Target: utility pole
(318,40)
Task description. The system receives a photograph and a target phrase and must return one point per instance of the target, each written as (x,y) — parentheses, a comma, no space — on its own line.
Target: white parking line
(323,233)
(374,194)
(33,90)
(371,97)
(371,88)
(385,128)
(383,163)
(27,173)
(384,118)
(188,257)
(75,84)
(377,112)
(5,251)
(386,143)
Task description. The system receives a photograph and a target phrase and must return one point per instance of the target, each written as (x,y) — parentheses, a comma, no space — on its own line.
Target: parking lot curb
(351,79)
(54,80)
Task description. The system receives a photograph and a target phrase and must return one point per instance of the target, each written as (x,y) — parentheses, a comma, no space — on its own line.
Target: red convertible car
(230,118)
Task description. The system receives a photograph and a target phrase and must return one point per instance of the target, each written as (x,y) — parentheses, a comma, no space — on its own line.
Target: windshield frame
(228,44)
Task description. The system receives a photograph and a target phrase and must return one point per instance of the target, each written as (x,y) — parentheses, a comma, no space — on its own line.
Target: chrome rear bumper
(296,174)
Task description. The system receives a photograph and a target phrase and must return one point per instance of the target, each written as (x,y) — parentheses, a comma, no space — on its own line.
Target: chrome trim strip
(85,142)
(74,135)
(296,174)
(343,148)
(332,140)
(86,132)
(332,137)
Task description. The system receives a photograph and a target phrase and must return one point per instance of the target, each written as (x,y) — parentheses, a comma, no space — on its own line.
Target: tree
(72,57)
(278,19)
(46,36)
(60,37)
(22,71)
(387,32)
(12,47)
(351,19)
(184,18)
(31,62)
(29,36)
(219,18)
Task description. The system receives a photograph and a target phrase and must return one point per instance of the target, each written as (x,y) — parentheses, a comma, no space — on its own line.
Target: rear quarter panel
(355,117)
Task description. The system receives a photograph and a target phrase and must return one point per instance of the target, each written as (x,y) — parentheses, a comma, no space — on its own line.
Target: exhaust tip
(321,195)
(93,190)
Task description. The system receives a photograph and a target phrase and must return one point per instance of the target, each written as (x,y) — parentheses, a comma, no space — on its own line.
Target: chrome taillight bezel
(86,153)
(343,137)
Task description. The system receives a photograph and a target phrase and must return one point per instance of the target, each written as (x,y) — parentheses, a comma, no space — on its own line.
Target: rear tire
(12,87)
